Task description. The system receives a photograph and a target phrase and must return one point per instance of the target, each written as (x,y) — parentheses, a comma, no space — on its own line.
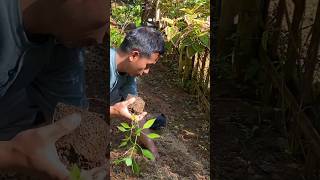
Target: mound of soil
(138,106)
(86,146)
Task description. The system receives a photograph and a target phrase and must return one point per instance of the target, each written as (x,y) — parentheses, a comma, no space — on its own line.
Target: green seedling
(132,132)
(75,173)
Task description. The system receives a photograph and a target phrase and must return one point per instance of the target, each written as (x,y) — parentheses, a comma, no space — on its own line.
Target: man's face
(139,65)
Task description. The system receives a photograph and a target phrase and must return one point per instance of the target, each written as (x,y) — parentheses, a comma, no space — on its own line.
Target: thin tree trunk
(274,40)
(249,33)
(294,45)
(311,59)
(149,8)
(229,9)
(181,62)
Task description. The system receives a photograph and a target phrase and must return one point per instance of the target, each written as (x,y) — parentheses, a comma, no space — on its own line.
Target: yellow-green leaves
(148,154)
(171,31)
(132,132)
(169,21)
(122,129)
(153,135)
(75,173)
(138,132)
(205,39)
(148,124)
(128,161)
(135,167)
(125,125)
(186,24)
(124,143)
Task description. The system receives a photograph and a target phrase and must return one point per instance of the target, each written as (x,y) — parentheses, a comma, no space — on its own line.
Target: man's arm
(130,87)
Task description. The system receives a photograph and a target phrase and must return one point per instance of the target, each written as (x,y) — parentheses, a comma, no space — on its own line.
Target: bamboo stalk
(203,64)
(195,72)
(207,82)
(207,73)
(181,63)
(187,69)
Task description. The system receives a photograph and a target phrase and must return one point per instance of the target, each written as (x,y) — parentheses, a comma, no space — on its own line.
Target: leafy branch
(132,132)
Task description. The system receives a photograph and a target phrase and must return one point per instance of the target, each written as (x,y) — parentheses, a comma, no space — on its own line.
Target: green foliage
(123,14)
(116,37)
(146,153)
(153,135)
(148,124)
(132,132)
(186,25)
(127,13)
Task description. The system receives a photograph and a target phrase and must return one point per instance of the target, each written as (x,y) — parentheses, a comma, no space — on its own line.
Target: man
(140,49)
(41,64)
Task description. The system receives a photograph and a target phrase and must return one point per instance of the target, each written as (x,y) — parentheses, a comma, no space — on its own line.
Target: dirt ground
(249,142)
(184,143)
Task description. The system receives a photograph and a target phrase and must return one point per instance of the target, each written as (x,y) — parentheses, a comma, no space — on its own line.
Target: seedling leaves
(128,161)
(147,154)
(153,135)
(149,123)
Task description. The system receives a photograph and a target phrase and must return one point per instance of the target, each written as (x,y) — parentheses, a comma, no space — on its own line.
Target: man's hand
(35,149)
(120,110)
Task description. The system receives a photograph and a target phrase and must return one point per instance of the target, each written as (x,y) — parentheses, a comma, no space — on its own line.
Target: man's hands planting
(120,110)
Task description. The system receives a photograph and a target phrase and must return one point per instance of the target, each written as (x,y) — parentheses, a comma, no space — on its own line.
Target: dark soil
(250,142)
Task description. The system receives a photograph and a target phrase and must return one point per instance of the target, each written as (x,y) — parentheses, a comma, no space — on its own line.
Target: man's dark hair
(146,40)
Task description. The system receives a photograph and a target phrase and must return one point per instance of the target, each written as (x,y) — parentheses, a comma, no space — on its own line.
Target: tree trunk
(311,59)
(249,32)
(149,9)
(226,26)
(274,40)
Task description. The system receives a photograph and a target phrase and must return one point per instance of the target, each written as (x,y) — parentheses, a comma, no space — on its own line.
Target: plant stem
(135,141)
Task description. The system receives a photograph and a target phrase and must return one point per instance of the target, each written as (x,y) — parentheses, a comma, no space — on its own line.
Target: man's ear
(134,55)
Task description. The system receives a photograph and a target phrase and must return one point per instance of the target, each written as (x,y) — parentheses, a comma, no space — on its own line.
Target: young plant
(75,173)
(132,132)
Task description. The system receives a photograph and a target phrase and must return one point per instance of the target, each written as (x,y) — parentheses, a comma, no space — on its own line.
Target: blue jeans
(48,76)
